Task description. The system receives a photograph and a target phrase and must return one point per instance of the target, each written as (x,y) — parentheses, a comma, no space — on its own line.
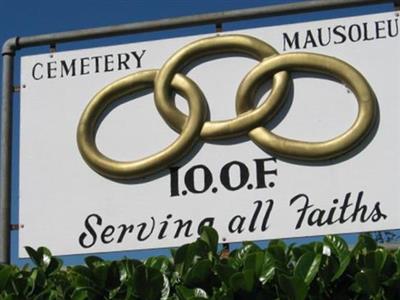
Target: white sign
(233,185)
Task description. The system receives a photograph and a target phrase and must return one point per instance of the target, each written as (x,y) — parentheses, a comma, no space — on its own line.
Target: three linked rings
(249,120)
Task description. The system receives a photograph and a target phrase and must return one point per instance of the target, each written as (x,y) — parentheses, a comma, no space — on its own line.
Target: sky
(25,18)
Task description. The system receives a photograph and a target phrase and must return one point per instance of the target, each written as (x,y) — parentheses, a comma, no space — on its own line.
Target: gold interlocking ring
(249,120)
(123,87)
(238,44)
(326,65)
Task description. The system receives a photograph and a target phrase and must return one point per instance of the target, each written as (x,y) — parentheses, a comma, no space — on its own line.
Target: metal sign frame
(12,45)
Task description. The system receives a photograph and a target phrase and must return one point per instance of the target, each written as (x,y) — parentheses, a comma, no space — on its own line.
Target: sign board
(231,184)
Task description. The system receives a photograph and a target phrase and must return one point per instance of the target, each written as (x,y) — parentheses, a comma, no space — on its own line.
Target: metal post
(195,20)
(5,151)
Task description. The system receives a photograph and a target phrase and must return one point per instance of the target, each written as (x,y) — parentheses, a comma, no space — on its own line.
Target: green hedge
(319,270)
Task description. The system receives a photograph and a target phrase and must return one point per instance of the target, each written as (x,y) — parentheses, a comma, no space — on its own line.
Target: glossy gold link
(315,63)
(139,168)
(236,44)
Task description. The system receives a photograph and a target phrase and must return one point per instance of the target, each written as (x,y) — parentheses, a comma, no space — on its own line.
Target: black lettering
(123,62)
(377,214)
(343,209)
(309,40)
(253,221)
(138,58)
(366,38)
(96,63)
(51,68)
(262,172)
(294,42)
(189,179)
(107,232)
(391,34)
(319,215)
(65,69)
(340,34)
(34,71)
(108,62)
(321,39)
(226,178)
(91,231)
(143,227)
(174,181)
(124,230)
(270,203)
(379,29)
(239,227)
(301,210)
(164,225)
(84,65)
(181,225)
(331,213)
(362,209)
(355,36)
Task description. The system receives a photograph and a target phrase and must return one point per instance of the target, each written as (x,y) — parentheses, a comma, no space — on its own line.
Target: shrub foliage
(319,270)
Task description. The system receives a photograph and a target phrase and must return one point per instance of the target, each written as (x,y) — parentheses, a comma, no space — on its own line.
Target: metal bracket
(53,48)
(218,27)
(16,226)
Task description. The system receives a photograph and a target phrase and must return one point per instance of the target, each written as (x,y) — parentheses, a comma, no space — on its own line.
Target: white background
(58,190)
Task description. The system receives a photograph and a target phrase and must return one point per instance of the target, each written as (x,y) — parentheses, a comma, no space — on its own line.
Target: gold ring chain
(249,120)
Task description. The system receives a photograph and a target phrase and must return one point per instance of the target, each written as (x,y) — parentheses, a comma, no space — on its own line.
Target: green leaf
(254,261)
(45,256)
(5,274)
(100,274)
(277,243)
(397,256)
(376,260)
(81,276)
(368,280)
(79,295)
(187,255)
(242,280)
(148,283)
(126,268)
(93,261)
(359,247)
(54,266)
(31,283)
(307,267)
(268,269)
(239,256)
(165,289)
(389,268)
(210,236)
(185,293)
(41,258)
(328,268)
(161,263)
(341,250)
(278,253)
(224,272)
(293,286)
(369,242)
(338,245)
(34,255)
(199,273)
